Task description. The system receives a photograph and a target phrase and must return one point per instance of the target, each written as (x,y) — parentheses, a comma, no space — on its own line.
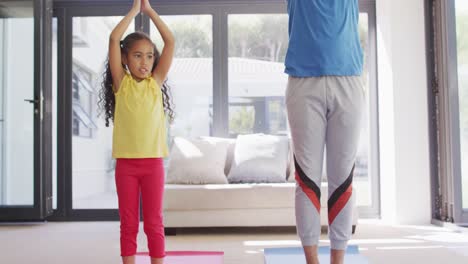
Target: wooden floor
(98,242)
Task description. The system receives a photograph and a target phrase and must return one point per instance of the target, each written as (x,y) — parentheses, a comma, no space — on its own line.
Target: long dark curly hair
(106,94)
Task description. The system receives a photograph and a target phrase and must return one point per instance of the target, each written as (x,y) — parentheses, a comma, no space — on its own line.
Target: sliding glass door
(25,186)
(461,16)
(451,83)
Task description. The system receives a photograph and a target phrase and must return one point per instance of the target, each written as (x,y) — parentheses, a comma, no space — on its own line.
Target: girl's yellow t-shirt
(139,120)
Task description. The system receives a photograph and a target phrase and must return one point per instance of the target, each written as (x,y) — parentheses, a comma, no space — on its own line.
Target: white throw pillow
(230,155)
(197,161)
(259,158)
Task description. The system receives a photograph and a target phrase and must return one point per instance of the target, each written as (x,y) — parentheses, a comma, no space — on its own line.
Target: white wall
(403,112)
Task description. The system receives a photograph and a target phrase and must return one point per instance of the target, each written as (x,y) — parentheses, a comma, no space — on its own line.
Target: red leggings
(131,177)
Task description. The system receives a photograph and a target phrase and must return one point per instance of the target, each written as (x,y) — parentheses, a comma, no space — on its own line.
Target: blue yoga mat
(295,255)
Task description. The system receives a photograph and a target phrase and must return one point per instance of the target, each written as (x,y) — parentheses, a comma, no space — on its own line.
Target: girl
(135,96)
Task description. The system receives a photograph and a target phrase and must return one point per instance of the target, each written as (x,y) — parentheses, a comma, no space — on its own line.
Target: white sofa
(236,205)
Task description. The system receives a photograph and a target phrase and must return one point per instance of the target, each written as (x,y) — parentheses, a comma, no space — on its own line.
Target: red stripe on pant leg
(340,203)
(312,195)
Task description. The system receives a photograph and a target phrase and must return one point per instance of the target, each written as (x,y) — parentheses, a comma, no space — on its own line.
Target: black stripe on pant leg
(306,180)
(340,190)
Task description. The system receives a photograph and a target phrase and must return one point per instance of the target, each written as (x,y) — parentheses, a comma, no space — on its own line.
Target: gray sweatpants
(324,111)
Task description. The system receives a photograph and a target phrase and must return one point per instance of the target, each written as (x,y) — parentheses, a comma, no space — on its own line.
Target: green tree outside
(241,119)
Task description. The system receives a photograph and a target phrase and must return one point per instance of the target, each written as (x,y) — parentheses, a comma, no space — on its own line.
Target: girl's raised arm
(167,53)
(115,57)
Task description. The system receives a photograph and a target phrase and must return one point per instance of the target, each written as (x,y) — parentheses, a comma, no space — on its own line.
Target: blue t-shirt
(323,38)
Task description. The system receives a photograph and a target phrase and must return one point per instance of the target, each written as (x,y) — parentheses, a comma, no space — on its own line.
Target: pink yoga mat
(185,257)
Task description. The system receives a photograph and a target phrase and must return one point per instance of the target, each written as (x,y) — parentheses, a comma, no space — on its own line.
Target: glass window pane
(93,166)
(16,114)
(461,7)
(191,74)
(257,48)
(362,179)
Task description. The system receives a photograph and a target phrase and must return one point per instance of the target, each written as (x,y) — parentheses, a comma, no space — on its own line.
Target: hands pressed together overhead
(143,6)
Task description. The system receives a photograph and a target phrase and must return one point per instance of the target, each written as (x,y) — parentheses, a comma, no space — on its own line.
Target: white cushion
(228,196)
(230,155)
(259,158)
(236,196)
(197,161)
(215,205)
